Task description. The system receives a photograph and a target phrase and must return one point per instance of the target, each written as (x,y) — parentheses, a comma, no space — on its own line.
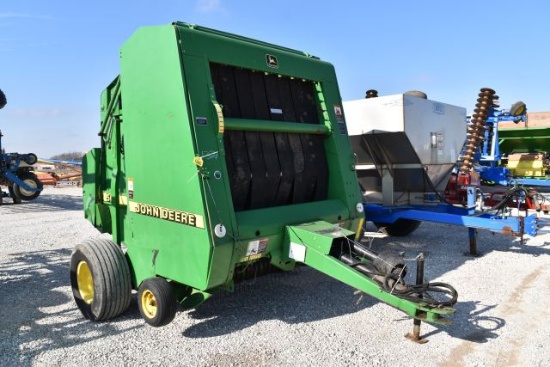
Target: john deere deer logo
(271,61)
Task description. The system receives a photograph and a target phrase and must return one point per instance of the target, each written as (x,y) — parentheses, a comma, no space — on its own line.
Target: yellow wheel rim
(85,282)
(149,303)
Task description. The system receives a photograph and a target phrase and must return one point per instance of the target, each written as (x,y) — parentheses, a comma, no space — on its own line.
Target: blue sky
(57,56)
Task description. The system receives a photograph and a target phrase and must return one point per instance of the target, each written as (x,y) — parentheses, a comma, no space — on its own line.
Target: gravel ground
(302,318)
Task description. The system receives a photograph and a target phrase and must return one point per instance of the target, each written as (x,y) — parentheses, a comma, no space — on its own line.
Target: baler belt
(273,169)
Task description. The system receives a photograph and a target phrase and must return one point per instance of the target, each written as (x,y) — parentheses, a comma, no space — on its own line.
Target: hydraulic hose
(421,293)
(388,270)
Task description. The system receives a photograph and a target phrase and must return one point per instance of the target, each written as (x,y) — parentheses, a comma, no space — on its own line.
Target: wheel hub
(149,303)
(85,282)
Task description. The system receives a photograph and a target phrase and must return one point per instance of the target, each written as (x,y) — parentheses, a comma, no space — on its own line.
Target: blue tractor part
(16,172)
(482,151)
(483,156)
(489,156)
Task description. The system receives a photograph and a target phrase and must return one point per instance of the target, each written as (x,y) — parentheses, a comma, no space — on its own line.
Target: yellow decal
(250,258)
(198,161)
(123,200)
(188,219)
(221,126)
(106,197)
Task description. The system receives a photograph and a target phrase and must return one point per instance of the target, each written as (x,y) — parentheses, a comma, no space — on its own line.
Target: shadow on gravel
(446,247)
(469,323)
(45,203)
(306,295)
(300,296)
(446,250)
(37,313)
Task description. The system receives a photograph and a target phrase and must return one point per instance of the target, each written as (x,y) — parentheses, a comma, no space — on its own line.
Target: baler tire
(16,199)
(30,179)
(156,301)
(100,279)
(400,228)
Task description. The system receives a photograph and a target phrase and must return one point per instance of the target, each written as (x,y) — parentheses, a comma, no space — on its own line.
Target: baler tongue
(331,250)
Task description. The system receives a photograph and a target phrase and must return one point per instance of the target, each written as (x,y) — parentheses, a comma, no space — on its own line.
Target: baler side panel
(343,179)
(165,206)
(205,131)
(95,210)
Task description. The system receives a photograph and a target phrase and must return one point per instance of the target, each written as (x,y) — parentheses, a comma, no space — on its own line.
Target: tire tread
(111,273)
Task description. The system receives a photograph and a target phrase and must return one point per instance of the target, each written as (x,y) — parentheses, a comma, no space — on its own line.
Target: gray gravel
(302,318)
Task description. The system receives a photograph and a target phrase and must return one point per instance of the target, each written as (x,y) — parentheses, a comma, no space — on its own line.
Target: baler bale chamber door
(270,168)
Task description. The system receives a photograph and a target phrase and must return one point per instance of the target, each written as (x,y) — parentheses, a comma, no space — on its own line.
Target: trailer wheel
(30,179)
(31,159)
(16,199)
(156,301)
(100,279)
(400,228)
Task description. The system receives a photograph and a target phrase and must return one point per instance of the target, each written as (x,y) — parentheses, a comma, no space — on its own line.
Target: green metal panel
(524,140)
(165,228)
(94,210)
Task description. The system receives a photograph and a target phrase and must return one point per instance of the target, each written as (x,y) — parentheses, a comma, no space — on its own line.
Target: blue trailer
(16,172)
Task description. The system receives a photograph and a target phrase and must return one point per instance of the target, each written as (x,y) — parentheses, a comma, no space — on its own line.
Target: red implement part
(455,192)
(50,178)
(531,202)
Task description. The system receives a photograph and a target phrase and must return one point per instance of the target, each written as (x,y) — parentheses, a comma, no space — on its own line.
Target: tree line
(69,156)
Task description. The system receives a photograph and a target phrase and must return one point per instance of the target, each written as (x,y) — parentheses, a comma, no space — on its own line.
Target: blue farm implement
(16,172)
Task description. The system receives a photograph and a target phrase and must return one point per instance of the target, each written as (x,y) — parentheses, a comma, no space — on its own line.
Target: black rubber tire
(31,159)
(399,228)
(30,179)
(156,301)
(16,199)
(110,286)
